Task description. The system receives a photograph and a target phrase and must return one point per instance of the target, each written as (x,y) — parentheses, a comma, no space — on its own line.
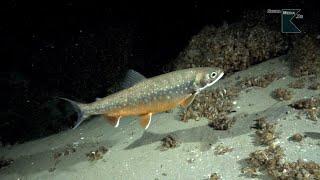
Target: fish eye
(213,74)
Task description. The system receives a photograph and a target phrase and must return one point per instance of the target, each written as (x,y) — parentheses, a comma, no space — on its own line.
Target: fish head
(206,77)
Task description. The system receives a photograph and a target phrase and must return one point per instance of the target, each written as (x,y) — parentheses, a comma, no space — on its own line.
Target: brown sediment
(266,134)
(313,113)
(271,161)
(97,154)
(314,86)
(69,150)
(168,142)
(268,159)
(311,107)
(234,47)
(57,155)
(222,122)
(260,81)
(305,56)
(214,176)
(306,103)
(66,151)
(282,94)
(215,105)
(297,137)
(298,84)
(52,169)
(221,149)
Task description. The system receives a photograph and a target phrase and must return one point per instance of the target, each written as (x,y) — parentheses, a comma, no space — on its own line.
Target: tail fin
(78,107)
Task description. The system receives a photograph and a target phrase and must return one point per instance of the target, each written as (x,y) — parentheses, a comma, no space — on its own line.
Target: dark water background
(80,50)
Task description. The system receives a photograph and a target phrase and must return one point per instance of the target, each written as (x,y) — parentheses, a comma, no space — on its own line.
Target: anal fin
(145,120)
(114,121)
(186,102)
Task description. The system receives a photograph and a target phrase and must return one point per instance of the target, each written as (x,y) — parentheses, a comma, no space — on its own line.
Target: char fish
(145,97)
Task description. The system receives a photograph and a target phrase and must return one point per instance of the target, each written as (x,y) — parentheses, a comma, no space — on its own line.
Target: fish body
(150,96)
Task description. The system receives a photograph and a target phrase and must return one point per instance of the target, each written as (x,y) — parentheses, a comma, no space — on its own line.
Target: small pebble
(297,137)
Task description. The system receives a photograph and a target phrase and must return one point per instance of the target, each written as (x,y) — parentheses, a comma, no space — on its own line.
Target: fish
(145,97)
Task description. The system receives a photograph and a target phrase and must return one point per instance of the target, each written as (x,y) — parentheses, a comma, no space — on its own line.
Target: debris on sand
(306,103)
(214,176)
(57,155)
(298,84)
(305,56)
(313,114)
(221,149)
(311,107)
(266,134)
(214,105)
(222,122)
(260,81)
(97,154)
(5,162)
(67,150)
(234,47)
(314,86)
(271,161)
(168,142)
(297,137)
(282,94)
(268,159)
(52,169)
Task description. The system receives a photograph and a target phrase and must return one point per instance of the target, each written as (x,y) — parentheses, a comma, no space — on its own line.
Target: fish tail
(79,109)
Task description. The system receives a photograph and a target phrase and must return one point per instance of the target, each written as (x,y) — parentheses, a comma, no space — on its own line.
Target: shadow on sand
(208,136)
(205,135)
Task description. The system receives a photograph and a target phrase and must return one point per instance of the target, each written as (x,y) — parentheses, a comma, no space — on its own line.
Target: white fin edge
(117,124)
(150,116)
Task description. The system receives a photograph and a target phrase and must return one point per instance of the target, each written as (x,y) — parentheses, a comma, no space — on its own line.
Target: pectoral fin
(114,121)
(186,102)
(145,120)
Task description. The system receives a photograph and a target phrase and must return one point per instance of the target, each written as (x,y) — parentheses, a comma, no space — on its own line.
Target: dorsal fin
(132,77)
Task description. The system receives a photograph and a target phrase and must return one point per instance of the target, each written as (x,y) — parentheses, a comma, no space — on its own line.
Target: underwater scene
(156,90)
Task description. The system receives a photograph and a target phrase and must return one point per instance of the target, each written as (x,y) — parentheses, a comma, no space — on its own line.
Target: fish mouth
(210,84)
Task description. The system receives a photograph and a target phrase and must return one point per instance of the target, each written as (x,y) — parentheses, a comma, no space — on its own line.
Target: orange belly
(145,108)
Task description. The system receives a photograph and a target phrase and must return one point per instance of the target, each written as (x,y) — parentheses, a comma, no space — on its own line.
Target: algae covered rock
(305,56)
(232,47)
